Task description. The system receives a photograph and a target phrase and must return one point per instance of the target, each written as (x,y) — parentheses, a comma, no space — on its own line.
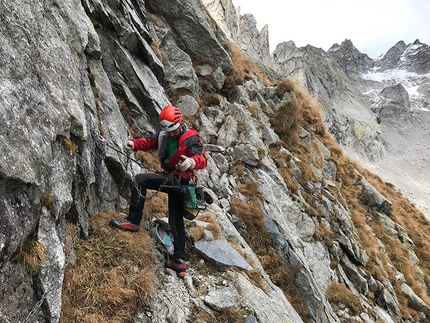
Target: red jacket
(189,144)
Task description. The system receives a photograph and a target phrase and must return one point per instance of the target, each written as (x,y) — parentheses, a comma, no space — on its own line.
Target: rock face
(242,29)
(74,72)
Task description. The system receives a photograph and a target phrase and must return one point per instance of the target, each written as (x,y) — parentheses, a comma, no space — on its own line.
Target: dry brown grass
(123,108)
(70,145)
(418,229)
(32,254)
(196,232)
(190,120)
(249,189)
(149,160)
(96,94)
(233,79)
(156,49)
(209,99)
(237,170)
(135,131)
(250,212)
(230,315)
(156,206)
(397,252)
(338,294)
(113,274)
(405,214)
(213,224)
(257,280)
(325,233)
(47,200)
(282,161)
(243,62)
(281,158)
(285,123)
(303,111)
(284,87)
(255,111)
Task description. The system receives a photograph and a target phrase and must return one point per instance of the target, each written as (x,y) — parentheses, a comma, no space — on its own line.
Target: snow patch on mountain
(412,82)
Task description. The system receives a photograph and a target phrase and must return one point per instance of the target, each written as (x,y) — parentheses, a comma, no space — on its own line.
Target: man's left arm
(197,151)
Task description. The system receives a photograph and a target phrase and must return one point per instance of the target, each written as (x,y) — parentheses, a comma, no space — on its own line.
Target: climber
(180,151)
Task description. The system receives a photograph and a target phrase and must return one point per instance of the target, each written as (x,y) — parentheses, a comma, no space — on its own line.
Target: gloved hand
(187,163)
(128,146)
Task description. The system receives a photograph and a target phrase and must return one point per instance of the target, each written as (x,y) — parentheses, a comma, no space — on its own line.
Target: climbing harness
(187,190)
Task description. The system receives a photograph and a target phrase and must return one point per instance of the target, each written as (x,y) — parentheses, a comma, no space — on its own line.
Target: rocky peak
(414,57)
(351,60)
(242,29)
(284,51)
(392,56)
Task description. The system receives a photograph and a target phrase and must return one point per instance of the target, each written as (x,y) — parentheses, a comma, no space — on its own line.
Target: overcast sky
(373,26)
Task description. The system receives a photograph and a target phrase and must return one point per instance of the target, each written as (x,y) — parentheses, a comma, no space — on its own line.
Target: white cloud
(374,26)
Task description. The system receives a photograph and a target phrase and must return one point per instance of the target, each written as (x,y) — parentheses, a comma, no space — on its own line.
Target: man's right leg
(142,182)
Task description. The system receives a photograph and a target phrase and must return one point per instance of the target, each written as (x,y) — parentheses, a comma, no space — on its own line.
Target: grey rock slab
(220,253)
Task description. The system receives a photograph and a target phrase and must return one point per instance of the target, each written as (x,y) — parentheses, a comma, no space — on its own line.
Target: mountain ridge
(328,241)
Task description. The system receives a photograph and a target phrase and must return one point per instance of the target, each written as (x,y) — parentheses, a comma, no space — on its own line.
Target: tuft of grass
(149,160)
(123,108)
(284,87)
(338,294)
(285,123)
(212,226)
(70,145)
(190,120)
(325,233)
(210,99)
(156,49)
(32,254)
(230,315)
(196,232)
(237,171)
(96,94)
(156,206)
(233,79)
(243,69)
(255,111)
(243,62)
(47,200)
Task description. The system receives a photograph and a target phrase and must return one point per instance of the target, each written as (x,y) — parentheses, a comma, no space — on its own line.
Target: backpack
(160,231)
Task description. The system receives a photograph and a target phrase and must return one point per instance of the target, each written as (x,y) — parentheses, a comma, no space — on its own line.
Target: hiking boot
(179,265)
(124,225)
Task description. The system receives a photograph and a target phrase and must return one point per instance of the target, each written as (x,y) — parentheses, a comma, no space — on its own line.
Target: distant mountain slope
(377,109)
(397,89)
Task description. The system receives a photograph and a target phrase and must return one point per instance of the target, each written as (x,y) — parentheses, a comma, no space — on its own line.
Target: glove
(187,163)
(129,146)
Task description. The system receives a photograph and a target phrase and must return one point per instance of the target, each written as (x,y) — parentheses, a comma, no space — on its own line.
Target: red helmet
(170,118)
